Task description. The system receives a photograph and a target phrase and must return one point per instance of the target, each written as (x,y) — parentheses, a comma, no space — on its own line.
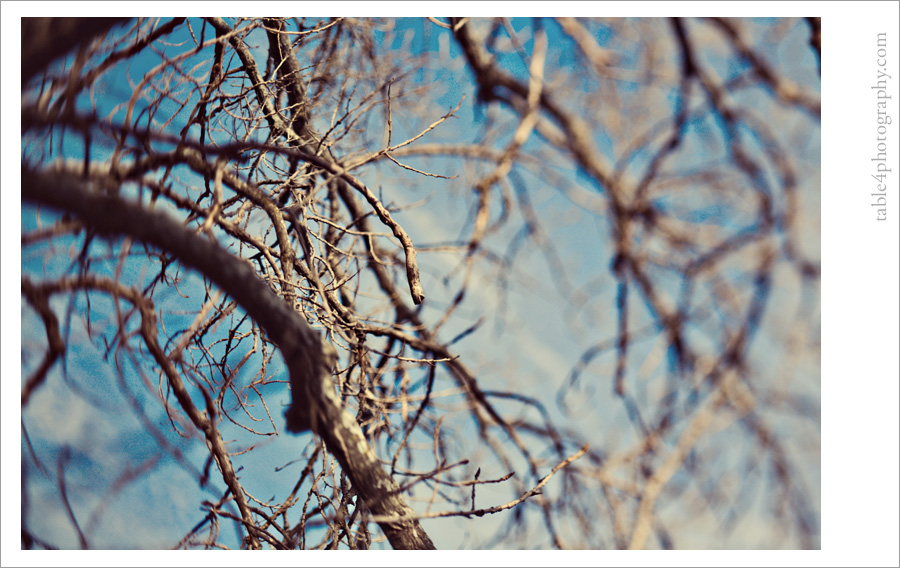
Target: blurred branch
(47,39)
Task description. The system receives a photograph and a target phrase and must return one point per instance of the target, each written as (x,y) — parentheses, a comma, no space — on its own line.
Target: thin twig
(536,490)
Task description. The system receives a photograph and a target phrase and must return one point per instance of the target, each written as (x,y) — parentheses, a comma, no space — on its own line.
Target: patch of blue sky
(716,214)
(138,520)
(111,442)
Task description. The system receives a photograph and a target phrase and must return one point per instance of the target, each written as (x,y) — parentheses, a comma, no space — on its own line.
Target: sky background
(850,238)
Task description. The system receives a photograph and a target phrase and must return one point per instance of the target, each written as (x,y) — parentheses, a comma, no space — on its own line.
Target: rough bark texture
(308,359)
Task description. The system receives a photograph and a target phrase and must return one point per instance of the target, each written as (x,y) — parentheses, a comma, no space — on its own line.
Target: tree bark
(309,361)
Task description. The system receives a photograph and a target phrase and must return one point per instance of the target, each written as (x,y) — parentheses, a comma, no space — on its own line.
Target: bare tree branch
(309,361)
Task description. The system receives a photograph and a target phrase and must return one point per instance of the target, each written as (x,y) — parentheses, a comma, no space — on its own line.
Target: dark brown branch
(55,344)
(308,359)
(46,39)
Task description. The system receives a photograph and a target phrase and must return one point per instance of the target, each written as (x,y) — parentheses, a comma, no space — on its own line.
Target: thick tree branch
(46,39)
(308,359)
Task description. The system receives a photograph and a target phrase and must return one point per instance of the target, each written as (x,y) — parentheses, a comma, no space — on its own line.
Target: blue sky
(551,350)
(536,362)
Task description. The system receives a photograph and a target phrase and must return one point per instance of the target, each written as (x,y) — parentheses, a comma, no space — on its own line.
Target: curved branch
(205,423)
(308,359)
(309,154)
